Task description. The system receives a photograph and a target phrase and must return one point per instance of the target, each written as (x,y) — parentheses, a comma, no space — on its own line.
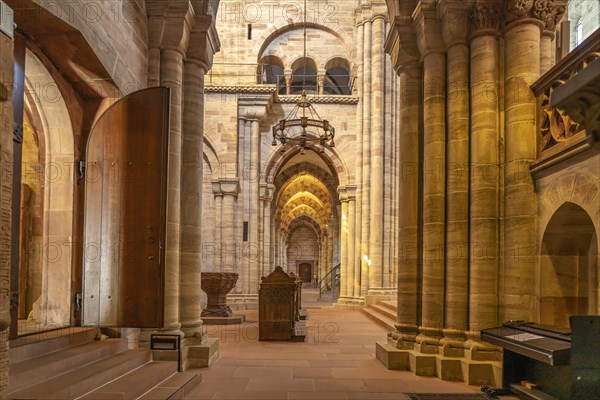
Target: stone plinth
(217,285)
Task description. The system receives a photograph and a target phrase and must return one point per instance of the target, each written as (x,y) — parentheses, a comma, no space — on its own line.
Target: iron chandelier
(304,127)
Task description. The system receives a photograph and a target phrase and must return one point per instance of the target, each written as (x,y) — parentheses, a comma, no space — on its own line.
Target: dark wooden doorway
(305,272)
(125,212)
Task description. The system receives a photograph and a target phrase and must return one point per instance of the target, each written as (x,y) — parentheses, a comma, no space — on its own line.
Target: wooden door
(125,213)
(305,272)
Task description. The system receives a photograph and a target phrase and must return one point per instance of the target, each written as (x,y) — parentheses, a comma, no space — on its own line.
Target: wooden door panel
(305,272)
(126,212)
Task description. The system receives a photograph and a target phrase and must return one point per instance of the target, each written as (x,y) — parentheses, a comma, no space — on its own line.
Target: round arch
(568,274)
(54,306)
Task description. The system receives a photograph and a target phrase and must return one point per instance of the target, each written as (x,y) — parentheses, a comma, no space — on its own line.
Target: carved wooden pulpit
(277,308)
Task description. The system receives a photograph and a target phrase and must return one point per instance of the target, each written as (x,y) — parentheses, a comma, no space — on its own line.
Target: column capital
(169,24)
(545,13)
(222,187)
(401,44)
(254,107)
(266,191)
(347,193)
(204,42)
(455,26)
(428,28)
(485,18)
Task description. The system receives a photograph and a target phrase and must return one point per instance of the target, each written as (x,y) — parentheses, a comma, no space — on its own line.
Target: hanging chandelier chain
(283,131)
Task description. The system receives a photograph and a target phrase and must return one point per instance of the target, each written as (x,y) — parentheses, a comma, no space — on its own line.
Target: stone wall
(303,245)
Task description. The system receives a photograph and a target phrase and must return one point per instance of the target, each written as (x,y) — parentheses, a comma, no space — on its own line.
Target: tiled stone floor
(337,361)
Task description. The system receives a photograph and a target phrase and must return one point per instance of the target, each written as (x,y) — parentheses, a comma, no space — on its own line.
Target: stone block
(449,369)
(200,355)
(422,364)
(391,357)
(480,373)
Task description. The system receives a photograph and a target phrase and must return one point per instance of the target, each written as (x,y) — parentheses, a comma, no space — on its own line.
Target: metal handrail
(325,277)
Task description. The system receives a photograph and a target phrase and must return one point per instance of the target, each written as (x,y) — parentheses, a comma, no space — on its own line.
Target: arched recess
(271,72)
(53,308)
(338,76)
(568,266)
(304,76)
(278,161)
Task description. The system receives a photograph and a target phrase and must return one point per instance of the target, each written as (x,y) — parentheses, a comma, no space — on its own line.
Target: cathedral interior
(424,173)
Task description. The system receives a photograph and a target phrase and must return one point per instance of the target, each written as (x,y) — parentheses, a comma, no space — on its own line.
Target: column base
(373,298)
(461,369)
(350,303)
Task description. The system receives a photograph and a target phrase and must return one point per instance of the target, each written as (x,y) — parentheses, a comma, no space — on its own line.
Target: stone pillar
(366,159)
(358,228)
(454,25)
(218,267)
(550,15)
(191,199)
(266,227)
(169,35)
(485,170)
(376,160)
(254,254)
(287,74)
(203,44)
(344,268)
(351,239)
(405,55)
(321,82)
(522,68)
(230,189)
(434,158)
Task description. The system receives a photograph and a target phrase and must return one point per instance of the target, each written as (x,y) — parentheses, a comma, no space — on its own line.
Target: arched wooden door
(125,213)
(305,272)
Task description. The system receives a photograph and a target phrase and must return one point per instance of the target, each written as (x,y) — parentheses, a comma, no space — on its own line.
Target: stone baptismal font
(217,285)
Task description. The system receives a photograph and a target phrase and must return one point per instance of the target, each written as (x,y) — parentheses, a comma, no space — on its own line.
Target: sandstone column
(358,228)
(406,60)
(550,14)
(454,24)
(191,199)
(434,156)
(344,268)
(253,178)
(366,157)
(522,68)
(376,160)
(218,239)
(230,189)
(169,35)
(351,239)
(485,169)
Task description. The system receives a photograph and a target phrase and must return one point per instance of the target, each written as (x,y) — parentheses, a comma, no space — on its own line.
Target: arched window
(337,77)
(304,76)
(271,72)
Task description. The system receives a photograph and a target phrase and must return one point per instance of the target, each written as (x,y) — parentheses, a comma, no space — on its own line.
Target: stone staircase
(383,312)
(463,368)
(73,365)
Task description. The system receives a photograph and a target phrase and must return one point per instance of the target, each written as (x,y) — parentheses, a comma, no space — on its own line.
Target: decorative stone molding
(226,187)
(231,89)
(254,106)
(204,42)
(325,99)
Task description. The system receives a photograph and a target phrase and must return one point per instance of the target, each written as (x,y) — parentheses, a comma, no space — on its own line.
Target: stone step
(46,366)
(136,383)
(177,386)
(79,381)
(381,319)
(384,310)
(392,305)
(37,344)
